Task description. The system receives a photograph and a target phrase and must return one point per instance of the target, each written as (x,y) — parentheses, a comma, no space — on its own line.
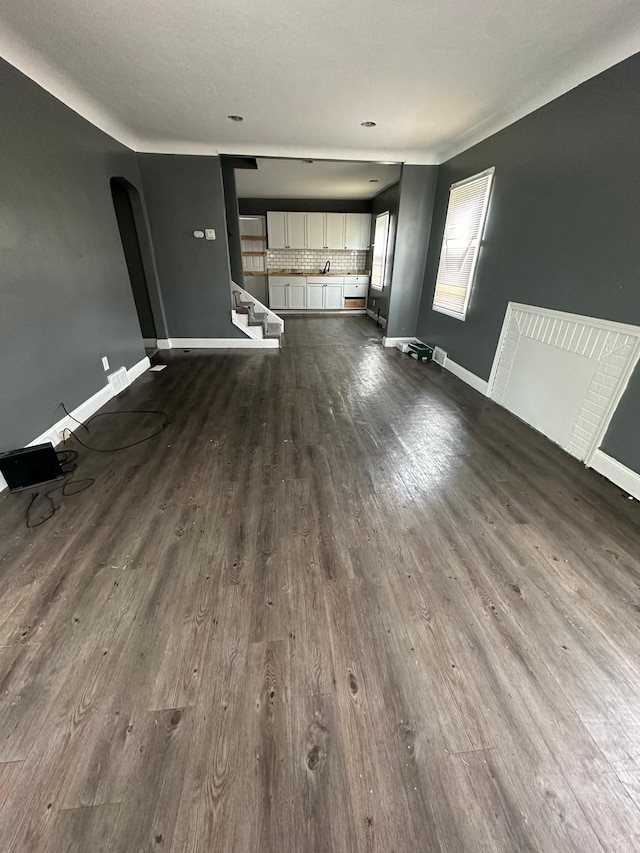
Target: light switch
(210,233)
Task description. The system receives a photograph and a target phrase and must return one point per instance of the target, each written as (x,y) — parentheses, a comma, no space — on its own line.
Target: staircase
(254,318)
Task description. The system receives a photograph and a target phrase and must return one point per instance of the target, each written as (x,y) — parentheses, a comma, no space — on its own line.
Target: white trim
(218,343)
(391,342)
(467,376)
(374,316)
(82,412)
(323,312)
(138,369)
(623,477)
(255,333)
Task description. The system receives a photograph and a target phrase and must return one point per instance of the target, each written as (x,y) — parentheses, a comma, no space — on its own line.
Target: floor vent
(439,356)
(119,380)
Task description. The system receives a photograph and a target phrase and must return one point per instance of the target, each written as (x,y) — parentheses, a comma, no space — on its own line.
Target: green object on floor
(420,351)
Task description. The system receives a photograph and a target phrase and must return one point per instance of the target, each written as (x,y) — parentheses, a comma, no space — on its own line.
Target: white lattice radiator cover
(563,373)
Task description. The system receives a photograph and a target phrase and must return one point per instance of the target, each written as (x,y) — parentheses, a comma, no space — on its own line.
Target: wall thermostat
(198,234)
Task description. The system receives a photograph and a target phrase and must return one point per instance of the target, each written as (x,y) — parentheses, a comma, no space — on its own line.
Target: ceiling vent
(119,380)
(439,356)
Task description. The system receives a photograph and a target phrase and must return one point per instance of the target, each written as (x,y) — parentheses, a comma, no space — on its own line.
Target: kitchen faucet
(327,267)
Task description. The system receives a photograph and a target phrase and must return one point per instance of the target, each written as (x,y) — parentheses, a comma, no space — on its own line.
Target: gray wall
(183,194)
(417,192)
(65,296)
(388,199)
(562,230)
(260,206)
(228,165)
(133,256)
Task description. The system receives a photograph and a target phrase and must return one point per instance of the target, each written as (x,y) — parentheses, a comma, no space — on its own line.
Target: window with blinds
(380,242)
(466,215)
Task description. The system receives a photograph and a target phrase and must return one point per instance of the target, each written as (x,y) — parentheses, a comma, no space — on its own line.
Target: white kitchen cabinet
(315,296)
(355,291)
(357,230)
(325,293)
(297,230)
(333,299)
(276,229)
(286,230)
(287,292)
(335,231)
(297,294)
(316,231)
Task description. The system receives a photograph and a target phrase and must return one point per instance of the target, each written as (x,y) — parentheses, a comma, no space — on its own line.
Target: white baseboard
(467,376)
(374,316)
(391,342)
(217,343)
(83,412)
(625,478)
(138,369)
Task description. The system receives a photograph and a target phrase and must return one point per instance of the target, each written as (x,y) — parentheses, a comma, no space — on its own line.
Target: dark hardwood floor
(342,603)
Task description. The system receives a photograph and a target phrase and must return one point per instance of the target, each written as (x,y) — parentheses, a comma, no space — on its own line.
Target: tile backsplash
(313,260)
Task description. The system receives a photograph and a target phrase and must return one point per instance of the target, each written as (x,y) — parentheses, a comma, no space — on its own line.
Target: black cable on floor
(68,488)
(113,414)
(68,460)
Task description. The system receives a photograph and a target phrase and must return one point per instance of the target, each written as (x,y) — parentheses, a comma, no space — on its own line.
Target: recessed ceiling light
(367,124)
(374,181)
(235,118)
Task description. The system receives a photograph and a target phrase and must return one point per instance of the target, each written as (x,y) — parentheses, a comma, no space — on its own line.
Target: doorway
(121,193)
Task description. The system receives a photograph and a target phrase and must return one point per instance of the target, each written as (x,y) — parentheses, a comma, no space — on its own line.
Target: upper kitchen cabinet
(335,231)
(357,231)
(316,231)
(286,230)
(276,230)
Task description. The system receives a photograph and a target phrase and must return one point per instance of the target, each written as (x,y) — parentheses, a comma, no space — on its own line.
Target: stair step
(273,330)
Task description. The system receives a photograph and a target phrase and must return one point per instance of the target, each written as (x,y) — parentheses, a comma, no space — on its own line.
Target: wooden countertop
(314,274)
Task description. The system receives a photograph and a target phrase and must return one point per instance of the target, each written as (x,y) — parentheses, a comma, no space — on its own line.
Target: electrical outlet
(105,362)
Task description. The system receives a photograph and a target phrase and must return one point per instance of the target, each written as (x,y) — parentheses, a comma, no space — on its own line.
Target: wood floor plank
(342,602)
(81,829)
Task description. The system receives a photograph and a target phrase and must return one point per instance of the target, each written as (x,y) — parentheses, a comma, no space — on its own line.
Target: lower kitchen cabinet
(287,292)
(325,293)
(320,293)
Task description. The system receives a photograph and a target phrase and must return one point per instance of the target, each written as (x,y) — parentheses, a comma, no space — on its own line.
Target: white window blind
(380,241)
(466,215)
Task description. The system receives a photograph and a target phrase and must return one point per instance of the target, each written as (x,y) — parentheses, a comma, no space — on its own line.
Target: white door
(333,296)
(316,231)
(297,295)
(277,296)
(315,296)
(335,231)
(296,230)
(276,230)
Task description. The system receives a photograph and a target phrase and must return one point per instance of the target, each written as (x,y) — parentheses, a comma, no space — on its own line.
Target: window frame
(385,256)
(490,172)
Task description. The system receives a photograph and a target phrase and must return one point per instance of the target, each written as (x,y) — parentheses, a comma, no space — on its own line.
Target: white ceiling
(349,179)
(436,75)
